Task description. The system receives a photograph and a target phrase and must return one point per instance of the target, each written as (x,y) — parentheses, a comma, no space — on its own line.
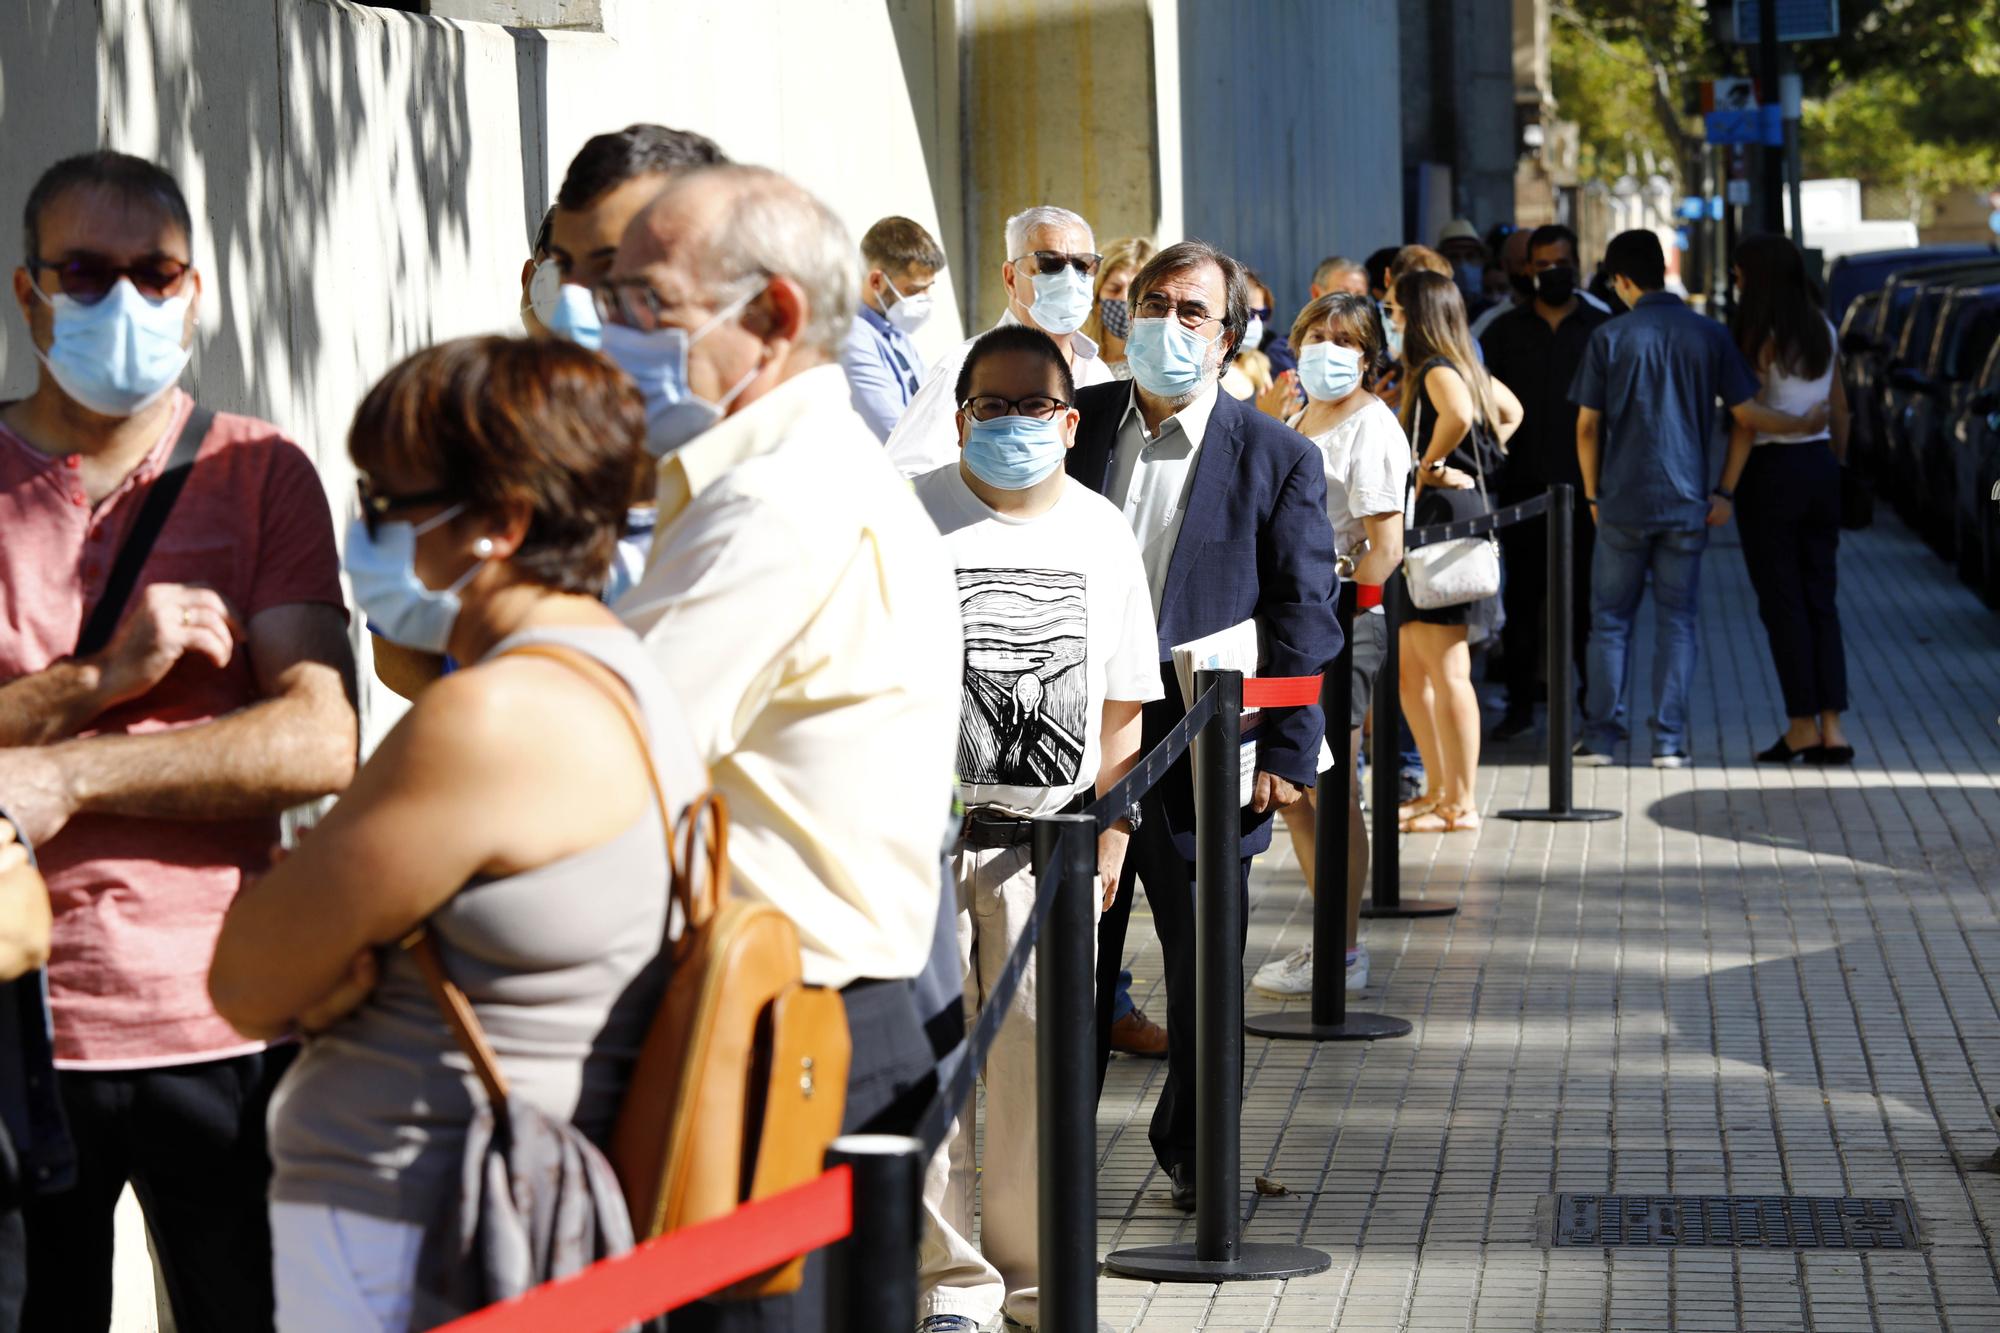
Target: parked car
(1911,313)
(1856,330)
(1975,440)
(1966,322)
(1853,276)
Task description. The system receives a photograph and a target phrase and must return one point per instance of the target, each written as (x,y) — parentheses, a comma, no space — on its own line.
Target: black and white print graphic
(1026,682)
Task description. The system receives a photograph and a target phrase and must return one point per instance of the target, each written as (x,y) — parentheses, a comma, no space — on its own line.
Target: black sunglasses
(1055,261)
(377,507)
(89,278)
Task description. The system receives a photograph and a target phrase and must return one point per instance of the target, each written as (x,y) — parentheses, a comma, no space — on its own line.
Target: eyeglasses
(1048,262)
(88,278)
(989,407)
(633,302)
(377,507)
(1191,314)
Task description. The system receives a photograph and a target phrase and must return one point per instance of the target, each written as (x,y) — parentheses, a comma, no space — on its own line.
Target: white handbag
(1464,569)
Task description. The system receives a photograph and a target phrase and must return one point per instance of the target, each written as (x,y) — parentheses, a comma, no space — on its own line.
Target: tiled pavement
(1759,981)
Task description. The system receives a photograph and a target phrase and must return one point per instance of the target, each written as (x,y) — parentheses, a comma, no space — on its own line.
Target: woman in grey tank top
(509,809)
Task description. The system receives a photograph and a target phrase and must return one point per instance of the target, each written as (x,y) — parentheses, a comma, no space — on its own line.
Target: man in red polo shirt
(150,773)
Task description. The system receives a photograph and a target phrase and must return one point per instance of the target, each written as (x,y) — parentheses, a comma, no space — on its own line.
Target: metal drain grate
(1733,1222)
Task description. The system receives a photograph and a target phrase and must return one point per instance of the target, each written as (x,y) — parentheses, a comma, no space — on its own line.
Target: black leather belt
(986,829)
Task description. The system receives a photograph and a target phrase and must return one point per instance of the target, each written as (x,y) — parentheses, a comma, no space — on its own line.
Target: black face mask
(1523,285)
(1555,286)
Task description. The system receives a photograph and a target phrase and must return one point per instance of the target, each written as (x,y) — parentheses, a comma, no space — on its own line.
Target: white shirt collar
(1191,421)
(1081,348)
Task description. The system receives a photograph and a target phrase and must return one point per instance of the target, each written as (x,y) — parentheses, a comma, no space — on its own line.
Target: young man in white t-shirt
(1060,654)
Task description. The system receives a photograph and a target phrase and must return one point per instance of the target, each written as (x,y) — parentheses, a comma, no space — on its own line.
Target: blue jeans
(1624,557)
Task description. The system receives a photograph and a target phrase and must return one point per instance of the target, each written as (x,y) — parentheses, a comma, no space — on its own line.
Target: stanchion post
(1385,884)
(1329,1018)
(1066,1076)
(872,1282)
(1218,1253)
(1562,669)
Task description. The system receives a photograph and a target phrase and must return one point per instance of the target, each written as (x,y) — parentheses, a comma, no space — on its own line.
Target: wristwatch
(1132,817)
(1721,494)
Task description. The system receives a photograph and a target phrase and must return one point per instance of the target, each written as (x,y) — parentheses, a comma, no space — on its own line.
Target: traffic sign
(1756,125)
(1728,94)
(1798,20)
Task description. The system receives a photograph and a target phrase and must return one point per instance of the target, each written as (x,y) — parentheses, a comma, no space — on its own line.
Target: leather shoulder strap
(458,1016)
(153,511)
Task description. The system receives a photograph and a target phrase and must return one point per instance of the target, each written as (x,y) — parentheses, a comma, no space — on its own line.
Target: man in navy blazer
(1229,508)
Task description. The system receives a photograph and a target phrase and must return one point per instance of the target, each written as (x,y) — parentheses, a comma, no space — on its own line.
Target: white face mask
(908,314)
(1062,301)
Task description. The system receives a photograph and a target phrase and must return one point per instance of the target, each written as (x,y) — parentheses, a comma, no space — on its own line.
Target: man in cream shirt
(1050,276)
(801,604)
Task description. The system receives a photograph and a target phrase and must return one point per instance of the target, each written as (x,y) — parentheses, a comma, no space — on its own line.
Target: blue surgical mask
(1329,372)
(1168,359)
(565,308)
(400,606)
(121,355)
(658,364)
(1062,301)
(1395,337)
(1013,453)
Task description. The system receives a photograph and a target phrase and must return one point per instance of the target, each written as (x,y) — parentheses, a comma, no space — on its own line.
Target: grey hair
(770,226)
(1041,215)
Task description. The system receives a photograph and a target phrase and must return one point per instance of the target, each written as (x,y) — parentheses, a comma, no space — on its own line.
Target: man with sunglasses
(150,770)
(1048,274)
(1229,509)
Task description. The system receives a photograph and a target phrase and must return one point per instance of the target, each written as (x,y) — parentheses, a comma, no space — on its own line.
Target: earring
(483,548)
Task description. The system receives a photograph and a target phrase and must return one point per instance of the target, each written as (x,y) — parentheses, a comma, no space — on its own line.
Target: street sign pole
(1773,159)
(1791,97)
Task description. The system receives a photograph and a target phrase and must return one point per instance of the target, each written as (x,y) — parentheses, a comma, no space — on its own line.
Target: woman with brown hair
(509,812)
(1785,490)
(1110,317)
(1459,420)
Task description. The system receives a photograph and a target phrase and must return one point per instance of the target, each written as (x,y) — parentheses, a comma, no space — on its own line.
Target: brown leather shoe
(1136,1034)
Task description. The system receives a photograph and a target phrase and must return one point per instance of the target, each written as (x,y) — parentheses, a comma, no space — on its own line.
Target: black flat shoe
(1180,1185)
(1830,756)
(1783,753)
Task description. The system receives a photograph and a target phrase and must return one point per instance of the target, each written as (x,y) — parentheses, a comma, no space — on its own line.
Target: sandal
(1409,810)
(1445,819)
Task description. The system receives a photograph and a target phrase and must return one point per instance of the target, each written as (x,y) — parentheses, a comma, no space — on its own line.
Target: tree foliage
(1906,98)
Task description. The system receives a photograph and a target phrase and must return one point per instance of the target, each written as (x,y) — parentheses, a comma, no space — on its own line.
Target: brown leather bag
(741,1082)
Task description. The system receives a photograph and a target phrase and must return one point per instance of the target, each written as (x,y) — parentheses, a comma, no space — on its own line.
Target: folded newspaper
(1233,649)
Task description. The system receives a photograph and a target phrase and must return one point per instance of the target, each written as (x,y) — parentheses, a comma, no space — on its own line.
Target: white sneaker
(1287,977)
(1291,977)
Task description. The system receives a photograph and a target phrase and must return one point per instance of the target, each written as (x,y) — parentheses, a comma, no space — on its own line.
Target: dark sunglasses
(376,507)
(89,278)
(1048,262)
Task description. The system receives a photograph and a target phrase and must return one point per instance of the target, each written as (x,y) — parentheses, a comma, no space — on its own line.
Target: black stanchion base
(1298,1025)
(1408,907)
(1253,1263)
(1559,816)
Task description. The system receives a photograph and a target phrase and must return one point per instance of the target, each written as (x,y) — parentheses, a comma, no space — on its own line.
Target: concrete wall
(1284,160)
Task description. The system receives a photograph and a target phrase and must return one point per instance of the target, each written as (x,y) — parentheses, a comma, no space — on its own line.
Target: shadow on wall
(326,149)
(1840,822)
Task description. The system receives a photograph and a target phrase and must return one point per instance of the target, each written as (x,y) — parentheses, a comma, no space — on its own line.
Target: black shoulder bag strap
(153,511)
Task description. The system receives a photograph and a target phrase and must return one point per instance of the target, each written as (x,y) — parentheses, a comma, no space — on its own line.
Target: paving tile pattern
(1759,981)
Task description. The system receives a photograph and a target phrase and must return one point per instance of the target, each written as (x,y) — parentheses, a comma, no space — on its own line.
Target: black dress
(1475,455)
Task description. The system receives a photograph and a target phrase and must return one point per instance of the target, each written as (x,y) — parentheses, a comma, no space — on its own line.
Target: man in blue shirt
(1647,446)
(882,365)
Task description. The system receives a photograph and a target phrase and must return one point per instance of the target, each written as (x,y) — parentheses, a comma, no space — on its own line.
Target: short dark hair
(1553,233)
(1637,257)
(607,161)
(133,180)
(501,421)
(1378,267)
(1014,338)
(897,245)
(1184,255)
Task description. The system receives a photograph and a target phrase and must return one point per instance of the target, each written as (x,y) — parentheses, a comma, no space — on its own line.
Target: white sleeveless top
(1787,393)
